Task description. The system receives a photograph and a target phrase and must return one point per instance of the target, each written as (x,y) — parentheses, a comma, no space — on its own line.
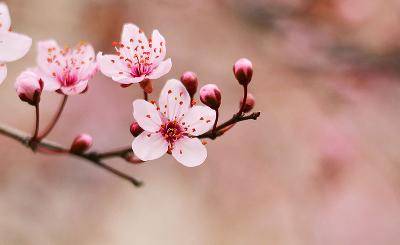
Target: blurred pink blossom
(66,70)
(13,46)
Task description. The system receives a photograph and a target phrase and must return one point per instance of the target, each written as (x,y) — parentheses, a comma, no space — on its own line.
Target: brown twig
(49,146)
(235,119)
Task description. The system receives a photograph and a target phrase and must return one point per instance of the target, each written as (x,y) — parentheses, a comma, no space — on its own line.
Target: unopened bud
(210,95)
(29,87)
(135,129)
(81,143)
(243,70)
(189,80)
(250,102)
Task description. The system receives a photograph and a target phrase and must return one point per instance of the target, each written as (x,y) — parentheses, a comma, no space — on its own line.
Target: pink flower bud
(189,80)
(81,143)
(243,70)
(210,95)
(29,87)
(250,102)
(135,129)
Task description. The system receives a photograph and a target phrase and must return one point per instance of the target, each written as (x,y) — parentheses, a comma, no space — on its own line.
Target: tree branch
(91,157)
(125,153)
(235,119)
(220,130)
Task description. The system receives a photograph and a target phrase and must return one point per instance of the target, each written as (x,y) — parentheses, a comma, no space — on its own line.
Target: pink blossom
(29,86)
(172,127)
(64,69)
(136,58)
(13,46)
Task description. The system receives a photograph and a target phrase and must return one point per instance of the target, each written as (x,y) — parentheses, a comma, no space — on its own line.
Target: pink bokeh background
(320,166)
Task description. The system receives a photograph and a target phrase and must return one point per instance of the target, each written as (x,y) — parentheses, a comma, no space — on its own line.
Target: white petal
(3,72)
(5,20)
(113,67)
(50,83)
(158,46)
(174,100)
(75,89)
(85,57)
(149,146)
(198,120)
(162,69)
(48,55)
(189,151)
(133,36)
(146,115)
(13,46)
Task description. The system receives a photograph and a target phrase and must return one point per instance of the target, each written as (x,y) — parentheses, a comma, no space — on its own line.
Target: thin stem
(37,115)
(215,123)
(114,153)
(145,96)
(244,100)
(55,119)
(118,173)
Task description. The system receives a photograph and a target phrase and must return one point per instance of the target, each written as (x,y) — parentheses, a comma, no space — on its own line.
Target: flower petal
(13,46)
(133,36)
(162,69)
(50,83)
(49,59)
(3,72)
(75,89)
(5,20)
(198,120)
(174,100)
(146,115)
(158,46)
(85,57)
(113,67)
(189,152)
(149,146)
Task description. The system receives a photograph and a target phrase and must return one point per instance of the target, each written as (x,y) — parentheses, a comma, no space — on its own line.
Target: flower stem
(214,131)
(145,96)
(54,120)
(244,100)
(37,115)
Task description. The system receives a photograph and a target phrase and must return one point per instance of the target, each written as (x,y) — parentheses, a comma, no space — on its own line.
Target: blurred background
(320,166)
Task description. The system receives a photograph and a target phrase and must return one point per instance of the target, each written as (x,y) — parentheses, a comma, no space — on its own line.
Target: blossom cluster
(175,125)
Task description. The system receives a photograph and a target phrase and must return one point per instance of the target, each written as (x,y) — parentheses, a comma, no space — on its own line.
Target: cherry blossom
(66,70)
(136,58)
(172,127)
(13,46)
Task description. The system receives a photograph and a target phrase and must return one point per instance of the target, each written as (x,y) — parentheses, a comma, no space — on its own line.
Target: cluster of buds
(175,126)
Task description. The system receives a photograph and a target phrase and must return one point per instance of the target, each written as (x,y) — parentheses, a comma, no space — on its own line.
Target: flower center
(67,78)
(171,131)
(141,68)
